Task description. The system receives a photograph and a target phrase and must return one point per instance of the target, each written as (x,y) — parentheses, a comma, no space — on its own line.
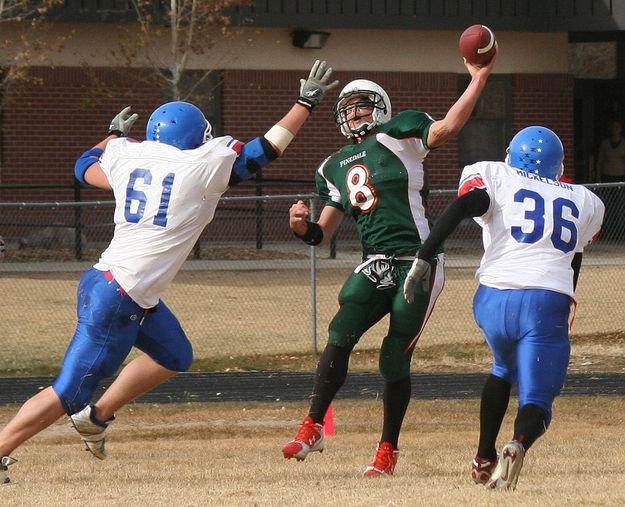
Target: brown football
(478,44)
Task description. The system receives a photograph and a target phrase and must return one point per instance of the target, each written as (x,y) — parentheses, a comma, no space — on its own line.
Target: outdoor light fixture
(309,39)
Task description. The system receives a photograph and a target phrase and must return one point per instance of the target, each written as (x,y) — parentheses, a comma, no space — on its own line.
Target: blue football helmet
(537,150)
(178,124)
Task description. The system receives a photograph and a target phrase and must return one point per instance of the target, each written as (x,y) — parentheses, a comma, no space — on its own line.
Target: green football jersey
(382,184)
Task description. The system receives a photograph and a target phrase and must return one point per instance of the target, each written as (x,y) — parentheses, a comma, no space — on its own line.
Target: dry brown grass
(226,454)
(255,316)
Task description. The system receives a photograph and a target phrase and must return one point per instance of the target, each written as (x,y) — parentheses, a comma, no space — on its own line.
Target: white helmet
(375,93)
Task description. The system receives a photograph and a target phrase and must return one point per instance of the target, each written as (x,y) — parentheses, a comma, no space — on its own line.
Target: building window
(485,136)
(205,92)
(593,60)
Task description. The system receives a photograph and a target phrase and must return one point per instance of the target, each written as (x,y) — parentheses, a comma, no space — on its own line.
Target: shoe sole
(478,477)
(300,458)
(95,454)
(482,476)
(302,453)
(511,465)
(376,473)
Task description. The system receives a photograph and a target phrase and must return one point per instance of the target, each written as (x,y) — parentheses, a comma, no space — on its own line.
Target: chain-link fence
(249,288)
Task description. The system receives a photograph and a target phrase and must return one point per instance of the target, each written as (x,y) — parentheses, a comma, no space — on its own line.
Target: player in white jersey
(166,190)
(534,229)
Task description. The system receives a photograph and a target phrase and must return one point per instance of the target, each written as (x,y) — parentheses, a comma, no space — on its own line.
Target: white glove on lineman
(312,90)
(122,123)
(419,272)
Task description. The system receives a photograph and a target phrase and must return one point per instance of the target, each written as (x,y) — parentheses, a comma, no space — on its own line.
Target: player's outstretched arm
(311,93)
(442,131)
(261,151)
(87,168)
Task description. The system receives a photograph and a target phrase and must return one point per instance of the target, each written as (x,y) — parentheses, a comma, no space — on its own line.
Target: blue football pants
(109,325)
(527,332)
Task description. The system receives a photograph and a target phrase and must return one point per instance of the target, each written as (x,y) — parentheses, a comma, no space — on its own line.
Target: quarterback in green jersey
(379,180)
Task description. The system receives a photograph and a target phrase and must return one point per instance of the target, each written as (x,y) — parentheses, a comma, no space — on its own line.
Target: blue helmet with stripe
(178,124)
(537,150)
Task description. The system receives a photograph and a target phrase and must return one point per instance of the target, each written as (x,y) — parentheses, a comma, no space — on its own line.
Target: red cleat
(309,438)
(384,461)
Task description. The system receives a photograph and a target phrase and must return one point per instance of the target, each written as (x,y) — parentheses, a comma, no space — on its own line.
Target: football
(478,44)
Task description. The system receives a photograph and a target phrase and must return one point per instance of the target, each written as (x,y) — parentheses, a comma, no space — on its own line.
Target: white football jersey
(533,227)
(164,197)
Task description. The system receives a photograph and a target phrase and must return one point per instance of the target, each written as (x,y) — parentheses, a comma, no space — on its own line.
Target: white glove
(312,90)
(122,123)
(419,272)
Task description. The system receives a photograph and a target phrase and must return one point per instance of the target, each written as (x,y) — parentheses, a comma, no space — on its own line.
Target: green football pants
(364,302)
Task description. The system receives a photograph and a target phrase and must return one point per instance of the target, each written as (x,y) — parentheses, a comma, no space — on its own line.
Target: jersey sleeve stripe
(471,183)
(235,145)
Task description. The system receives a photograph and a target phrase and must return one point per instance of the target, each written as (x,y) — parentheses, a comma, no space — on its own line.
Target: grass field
(259,319)
(226,454)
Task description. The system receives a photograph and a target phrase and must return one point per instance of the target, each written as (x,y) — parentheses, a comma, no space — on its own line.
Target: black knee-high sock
(530,423)
(396,400)
(495,398)
(330,376)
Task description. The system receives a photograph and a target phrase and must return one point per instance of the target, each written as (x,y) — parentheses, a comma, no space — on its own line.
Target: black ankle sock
(530,423)
(330,376)
(396,400)
(495,398)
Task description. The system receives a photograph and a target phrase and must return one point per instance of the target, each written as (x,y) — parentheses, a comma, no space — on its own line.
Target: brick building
(410,48)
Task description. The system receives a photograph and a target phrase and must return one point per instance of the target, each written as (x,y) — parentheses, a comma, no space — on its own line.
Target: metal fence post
(259,211)
(77,223)
(313,286)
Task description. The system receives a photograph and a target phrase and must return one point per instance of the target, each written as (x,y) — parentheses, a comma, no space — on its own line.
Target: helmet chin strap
(362,130)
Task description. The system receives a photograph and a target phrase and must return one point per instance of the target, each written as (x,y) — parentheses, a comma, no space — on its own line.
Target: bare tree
(18,10)
(191,28)
(29,16)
